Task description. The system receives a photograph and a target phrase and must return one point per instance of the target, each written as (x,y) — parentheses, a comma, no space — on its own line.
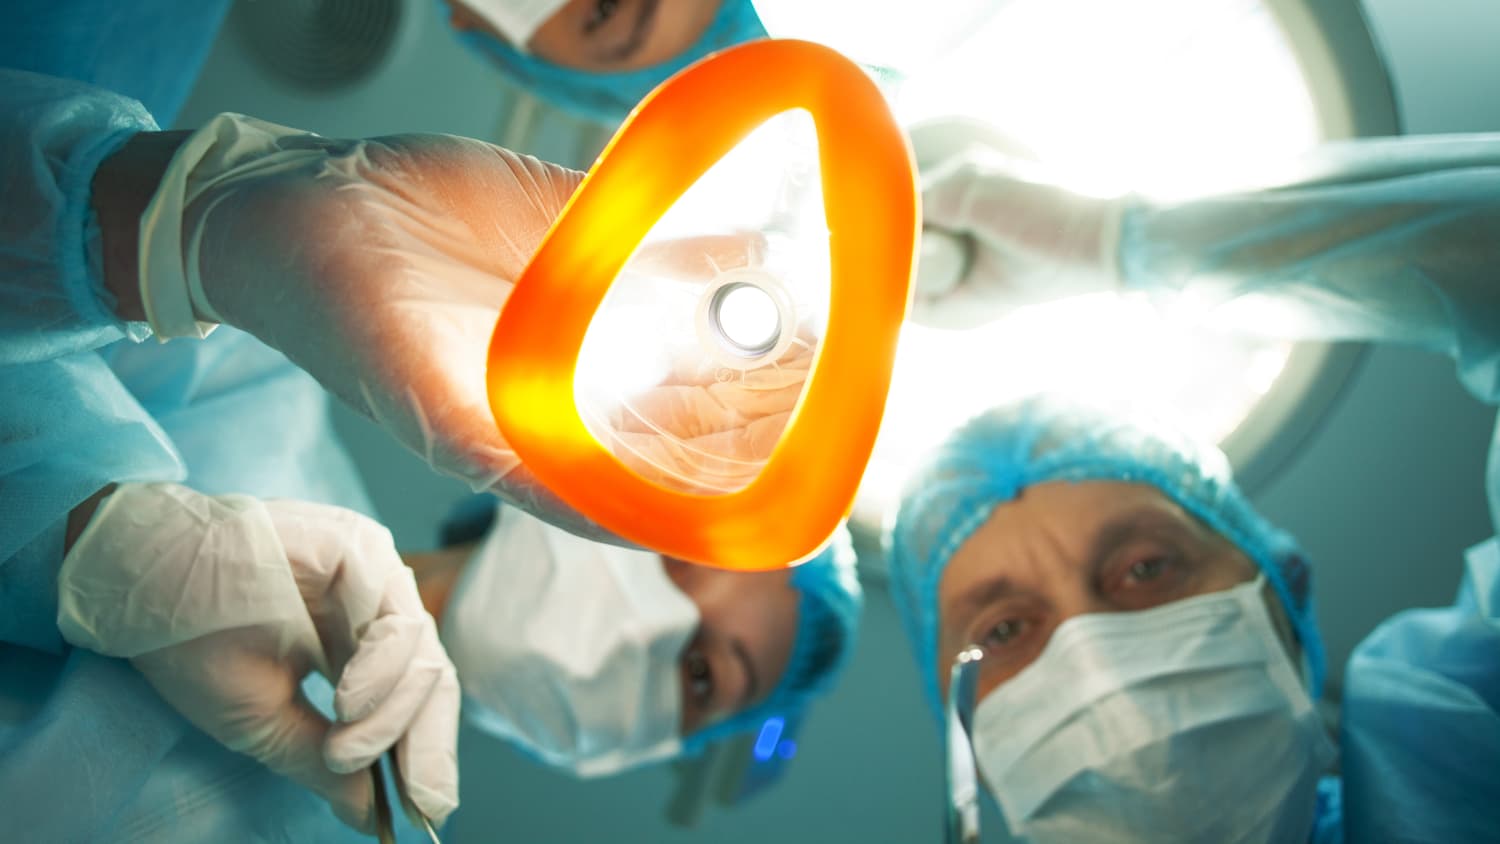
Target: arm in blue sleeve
(68,426)
(1394,240)
(1421,723)
(53,136)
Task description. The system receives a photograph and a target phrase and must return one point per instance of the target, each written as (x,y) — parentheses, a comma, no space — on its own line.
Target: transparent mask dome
(698,355)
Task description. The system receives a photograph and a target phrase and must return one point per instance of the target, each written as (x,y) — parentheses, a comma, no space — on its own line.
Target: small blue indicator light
(770,735)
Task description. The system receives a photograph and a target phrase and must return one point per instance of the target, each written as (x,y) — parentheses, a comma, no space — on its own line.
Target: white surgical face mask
(569,647)
(517,20)
(1186,722)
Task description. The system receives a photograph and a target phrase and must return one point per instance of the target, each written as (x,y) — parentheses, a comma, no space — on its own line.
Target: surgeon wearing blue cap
(1149,658)
(596,659)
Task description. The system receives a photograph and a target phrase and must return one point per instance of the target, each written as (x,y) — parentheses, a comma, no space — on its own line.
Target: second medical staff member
(1150,654)
(596,659)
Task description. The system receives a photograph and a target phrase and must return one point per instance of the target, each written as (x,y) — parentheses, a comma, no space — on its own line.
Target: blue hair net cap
(1049,438)
(827,620)
(608,97)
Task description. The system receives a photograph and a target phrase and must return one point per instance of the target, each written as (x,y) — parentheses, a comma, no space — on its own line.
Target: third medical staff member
(1150,657)
(596,659)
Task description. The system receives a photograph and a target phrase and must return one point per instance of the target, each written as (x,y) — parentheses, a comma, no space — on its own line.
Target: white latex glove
(377,266)
(226,603)
(663,438)
(998,236)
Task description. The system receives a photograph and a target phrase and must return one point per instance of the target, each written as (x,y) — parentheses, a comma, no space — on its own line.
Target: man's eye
(603,11)
(1148,569)
(700,677)
(1002,634)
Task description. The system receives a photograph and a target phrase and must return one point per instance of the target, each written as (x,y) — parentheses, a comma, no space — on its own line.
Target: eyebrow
(638,31)
(752,680)
(983,593)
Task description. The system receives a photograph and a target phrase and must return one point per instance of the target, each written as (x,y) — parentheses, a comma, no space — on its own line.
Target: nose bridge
(1080,600)
(1074,592)
(1063,566)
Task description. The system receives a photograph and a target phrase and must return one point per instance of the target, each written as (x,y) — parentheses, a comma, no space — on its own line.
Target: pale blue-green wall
(1384,495)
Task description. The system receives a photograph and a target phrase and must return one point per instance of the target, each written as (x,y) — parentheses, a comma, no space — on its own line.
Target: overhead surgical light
(1167,98)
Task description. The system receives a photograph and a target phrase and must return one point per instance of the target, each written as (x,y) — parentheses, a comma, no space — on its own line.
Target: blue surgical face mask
(608,97)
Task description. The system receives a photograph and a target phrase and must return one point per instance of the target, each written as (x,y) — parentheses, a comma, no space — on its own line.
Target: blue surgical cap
(1049,438)
(608,97)
(827,619)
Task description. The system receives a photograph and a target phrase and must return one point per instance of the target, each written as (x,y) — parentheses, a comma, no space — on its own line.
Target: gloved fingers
(353,745)
(711,464)
(699,259)
(948,193)
(945,257)
(428,757)
(289,741)
(351,795)
(685,411)
(763,391)
(237,686)
(343,562)
(961,308)
(377,667)
(674,411)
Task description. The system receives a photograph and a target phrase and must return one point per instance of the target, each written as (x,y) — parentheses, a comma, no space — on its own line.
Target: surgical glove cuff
(171,288)
(166,294)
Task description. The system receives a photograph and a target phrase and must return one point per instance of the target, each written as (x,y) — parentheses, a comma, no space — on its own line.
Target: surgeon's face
(1062,549)
(743,644)
(609,35)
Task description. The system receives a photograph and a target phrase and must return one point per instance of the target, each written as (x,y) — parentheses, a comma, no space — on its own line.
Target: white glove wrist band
(174,307)
(171,287)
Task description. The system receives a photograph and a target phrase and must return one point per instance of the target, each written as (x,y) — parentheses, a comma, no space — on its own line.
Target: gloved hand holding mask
(226,603)
(380,267)
(377,266)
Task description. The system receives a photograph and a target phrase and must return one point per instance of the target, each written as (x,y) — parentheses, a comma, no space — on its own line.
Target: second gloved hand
(995,239)
(226,603)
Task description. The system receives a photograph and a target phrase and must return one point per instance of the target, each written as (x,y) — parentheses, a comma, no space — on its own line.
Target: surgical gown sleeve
(1393,239)
(1421,722)
(67,424)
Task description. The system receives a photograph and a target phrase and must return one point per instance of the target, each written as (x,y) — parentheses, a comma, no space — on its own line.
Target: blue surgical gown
(88,750)
(1391,240)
